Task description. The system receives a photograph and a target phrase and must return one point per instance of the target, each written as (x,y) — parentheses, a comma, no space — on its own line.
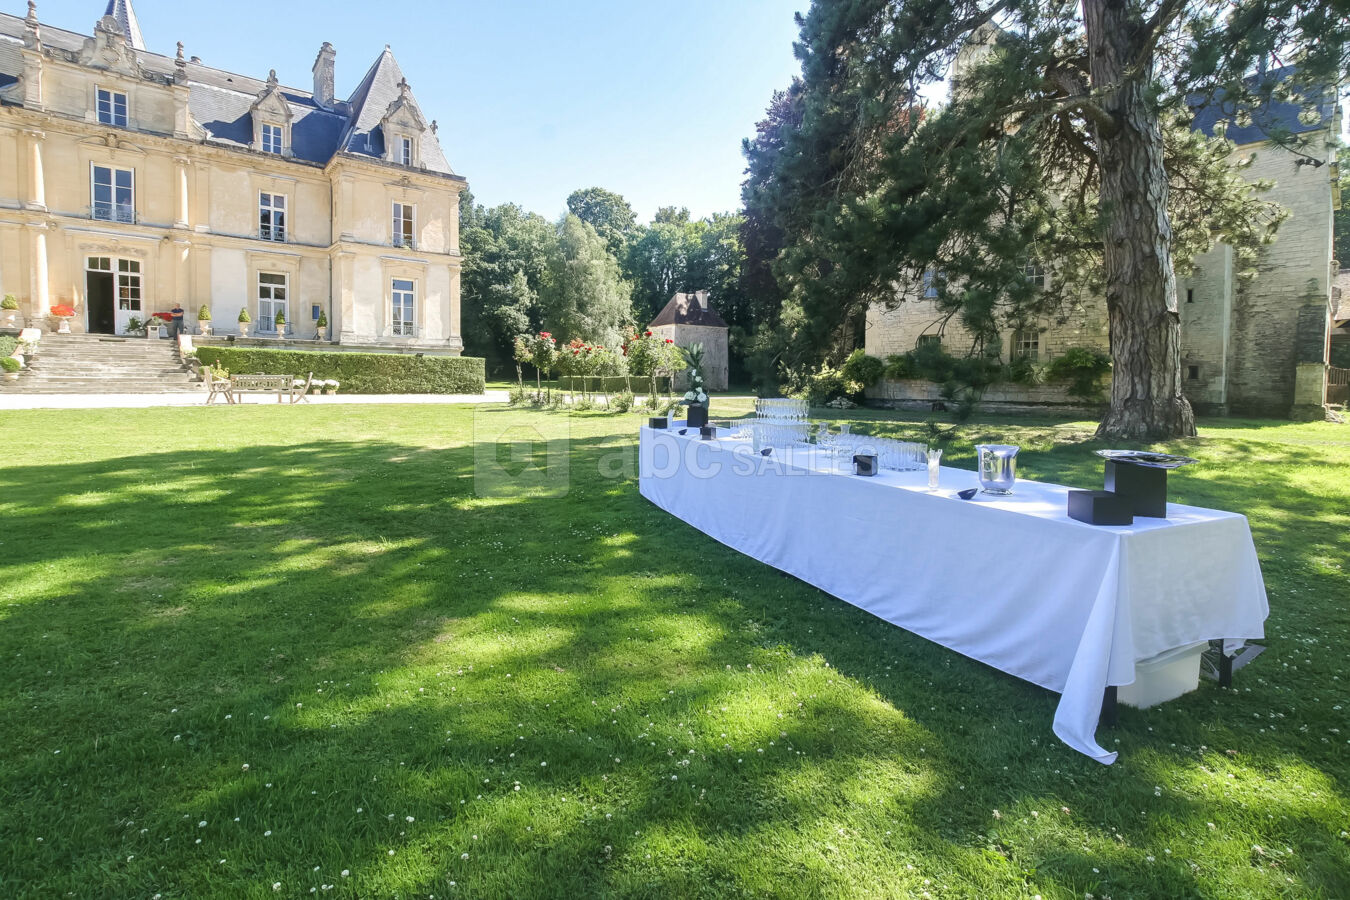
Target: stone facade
(130,181)
(689,319)
(1254,347)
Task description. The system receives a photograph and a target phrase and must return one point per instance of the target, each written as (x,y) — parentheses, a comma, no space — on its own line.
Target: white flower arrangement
(332,383)
(297,382)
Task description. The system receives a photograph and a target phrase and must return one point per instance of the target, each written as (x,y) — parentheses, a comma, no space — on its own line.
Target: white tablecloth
(1011,581)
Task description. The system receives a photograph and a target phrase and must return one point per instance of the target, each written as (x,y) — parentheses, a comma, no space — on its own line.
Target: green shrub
(8,344)
(245,318)
(10,302)
(1083,368)
(9,364)
(820,387)
(899,366)
(360,373)
(861,371)
(622,401)
(204,314)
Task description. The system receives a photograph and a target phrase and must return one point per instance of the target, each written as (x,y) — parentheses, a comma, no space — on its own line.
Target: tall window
(1034,272)
(129,285)
(112,108)
(272,217)
(113,194)
(930,284)
(405,151)
(271,138)
(404,224)
(404,302)
(271,300)
(1027,344)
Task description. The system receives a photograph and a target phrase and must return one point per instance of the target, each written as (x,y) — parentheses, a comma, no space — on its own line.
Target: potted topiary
(331,386)
(321,326)
(9,310)
(204,319)
(280,321)
(244,320)
(10,367)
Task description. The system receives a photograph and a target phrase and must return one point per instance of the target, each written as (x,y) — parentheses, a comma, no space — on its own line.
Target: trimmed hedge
(613,384)
(359,373)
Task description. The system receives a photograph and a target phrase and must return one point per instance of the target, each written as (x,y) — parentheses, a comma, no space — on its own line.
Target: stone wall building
(1254,347)
(130,180)
(689,319)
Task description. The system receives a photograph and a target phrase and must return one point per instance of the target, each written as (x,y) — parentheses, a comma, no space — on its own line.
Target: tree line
(595,275)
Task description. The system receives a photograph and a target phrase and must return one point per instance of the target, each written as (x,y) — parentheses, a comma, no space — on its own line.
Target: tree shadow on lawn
(357,627)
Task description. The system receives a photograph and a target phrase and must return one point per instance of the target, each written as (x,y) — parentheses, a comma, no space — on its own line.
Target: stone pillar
(453,335)
(41,289)
(1310,373)
(343,322)
(37,181)
(182,220)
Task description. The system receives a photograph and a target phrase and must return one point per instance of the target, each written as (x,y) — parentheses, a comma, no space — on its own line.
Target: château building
(1258,346)
(131,180)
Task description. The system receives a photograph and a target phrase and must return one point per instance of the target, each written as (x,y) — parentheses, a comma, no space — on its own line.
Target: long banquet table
(1011,581)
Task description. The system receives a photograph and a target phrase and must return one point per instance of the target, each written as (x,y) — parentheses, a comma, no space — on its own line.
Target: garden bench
(219,387)
(282,385)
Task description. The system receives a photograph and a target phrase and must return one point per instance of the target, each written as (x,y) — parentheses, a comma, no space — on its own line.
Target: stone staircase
(103,364)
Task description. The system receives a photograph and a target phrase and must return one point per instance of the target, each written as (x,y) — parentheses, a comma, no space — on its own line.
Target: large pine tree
(1067,141)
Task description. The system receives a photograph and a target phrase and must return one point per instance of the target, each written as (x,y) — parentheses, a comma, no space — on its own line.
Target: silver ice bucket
(998,467)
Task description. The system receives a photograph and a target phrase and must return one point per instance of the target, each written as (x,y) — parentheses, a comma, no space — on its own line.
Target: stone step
(91,364)
(75,386)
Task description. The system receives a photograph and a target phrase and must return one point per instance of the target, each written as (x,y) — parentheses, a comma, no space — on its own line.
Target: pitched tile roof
(126,20)
(684,309)
(220,101)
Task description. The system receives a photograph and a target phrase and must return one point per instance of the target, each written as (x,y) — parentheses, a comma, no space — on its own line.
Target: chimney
(324,76)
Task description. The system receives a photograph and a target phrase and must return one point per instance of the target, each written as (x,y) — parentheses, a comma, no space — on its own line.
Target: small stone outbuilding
(689,319)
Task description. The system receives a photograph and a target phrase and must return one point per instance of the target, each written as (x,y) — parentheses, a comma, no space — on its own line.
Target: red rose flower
(670,340)
(63,311)
(649,334)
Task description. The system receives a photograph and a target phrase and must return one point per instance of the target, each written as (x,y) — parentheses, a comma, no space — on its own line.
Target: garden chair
(299,395)
(219,387)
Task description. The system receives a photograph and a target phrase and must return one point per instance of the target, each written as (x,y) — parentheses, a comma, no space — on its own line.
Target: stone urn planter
(204,325)
(63,314)
(243,329)
(321,333)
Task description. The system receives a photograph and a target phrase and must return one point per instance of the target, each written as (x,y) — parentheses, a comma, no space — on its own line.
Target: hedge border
(359,373)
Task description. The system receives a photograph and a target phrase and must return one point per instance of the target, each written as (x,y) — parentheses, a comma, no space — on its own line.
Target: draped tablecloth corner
(1010,581)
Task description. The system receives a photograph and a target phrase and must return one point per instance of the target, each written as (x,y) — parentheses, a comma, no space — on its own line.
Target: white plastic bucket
(1164,677)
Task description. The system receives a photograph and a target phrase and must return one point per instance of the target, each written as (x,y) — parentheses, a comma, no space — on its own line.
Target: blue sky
(650,98)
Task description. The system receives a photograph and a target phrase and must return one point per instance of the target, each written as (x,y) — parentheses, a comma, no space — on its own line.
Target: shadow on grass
(354,624)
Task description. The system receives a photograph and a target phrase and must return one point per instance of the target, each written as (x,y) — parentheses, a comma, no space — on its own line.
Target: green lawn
(257,652)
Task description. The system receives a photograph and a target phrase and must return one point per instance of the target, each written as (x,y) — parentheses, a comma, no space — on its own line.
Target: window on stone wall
(1192,373)
(405,215)
(1190,295)
(1034,273)
(113,193)
(1027,344)
(930,284)
(404,300)
(271,138)
(271,216)
(405,151)
(929,340)
(112,108)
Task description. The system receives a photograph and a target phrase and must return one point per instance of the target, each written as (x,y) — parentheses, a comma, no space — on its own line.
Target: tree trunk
(1141,291)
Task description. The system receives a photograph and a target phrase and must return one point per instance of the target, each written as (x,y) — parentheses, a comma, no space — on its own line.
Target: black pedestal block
(864,464)
(658,422)
(1100,508)
(708,432)
(1143,486)
(698,416)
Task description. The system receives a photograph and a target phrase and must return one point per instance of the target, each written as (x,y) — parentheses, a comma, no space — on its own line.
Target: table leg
(1109,716)
(1225,668)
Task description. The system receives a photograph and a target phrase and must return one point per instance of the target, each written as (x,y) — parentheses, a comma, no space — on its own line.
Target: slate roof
(221,101)
(1276,114)
(684,309)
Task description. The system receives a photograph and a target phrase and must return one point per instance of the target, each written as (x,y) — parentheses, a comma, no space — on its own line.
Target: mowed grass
(276,652)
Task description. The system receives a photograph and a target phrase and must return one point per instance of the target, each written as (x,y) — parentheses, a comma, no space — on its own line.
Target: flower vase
(698,416)
(64,327)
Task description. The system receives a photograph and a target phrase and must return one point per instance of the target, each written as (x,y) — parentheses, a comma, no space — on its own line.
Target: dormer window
(272,138)
(405,151)
(112,108)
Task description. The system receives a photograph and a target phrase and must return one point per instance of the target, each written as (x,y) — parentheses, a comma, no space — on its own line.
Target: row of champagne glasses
(898,456)
(778,434)
(782,410)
